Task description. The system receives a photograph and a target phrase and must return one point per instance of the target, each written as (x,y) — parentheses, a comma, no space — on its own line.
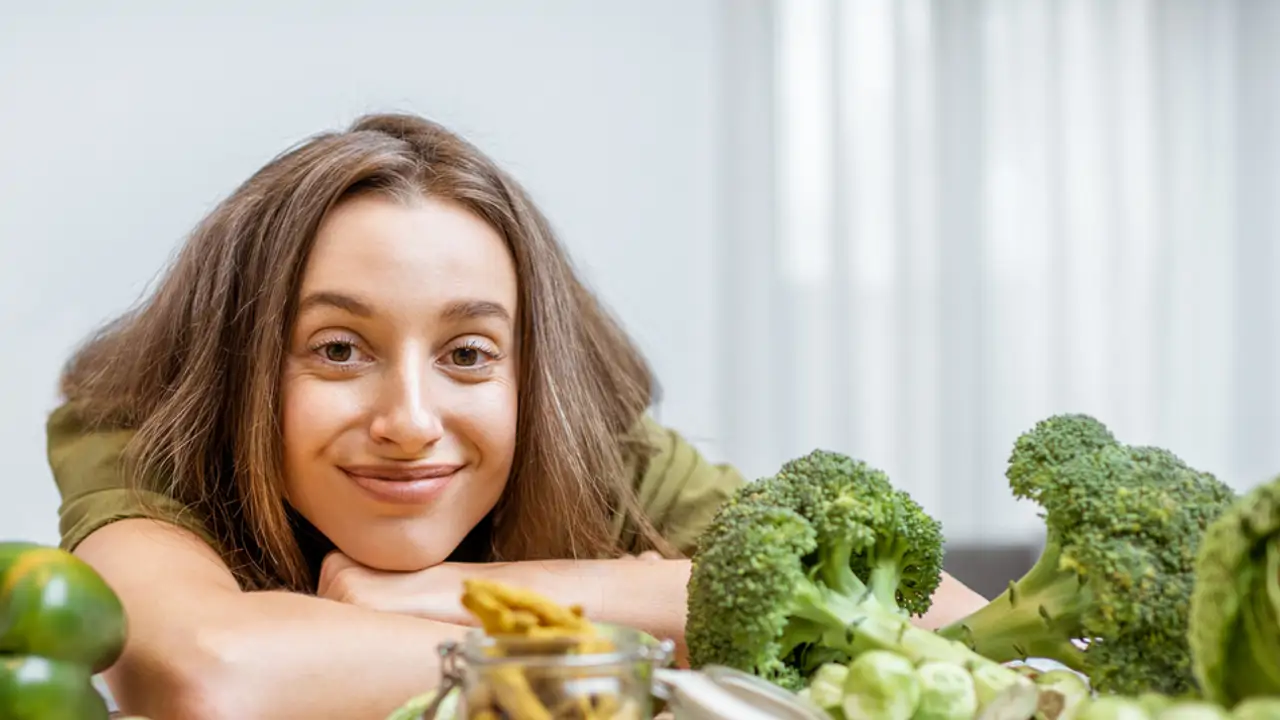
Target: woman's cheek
(489,415)
(316,410)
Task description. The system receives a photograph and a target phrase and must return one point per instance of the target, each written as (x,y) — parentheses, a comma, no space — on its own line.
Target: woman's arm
(951,601)
(644,593)
(648,594)
(199,648)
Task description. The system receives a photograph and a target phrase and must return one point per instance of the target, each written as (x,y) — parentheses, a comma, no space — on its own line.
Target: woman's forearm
(952,601)
(650,595)
(200,648)
(287,655)
(647,594)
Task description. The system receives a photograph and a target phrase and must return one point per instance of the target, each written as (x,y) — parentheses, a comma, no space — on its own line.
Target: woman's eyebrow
(472,309)
(453,312)
(351,304)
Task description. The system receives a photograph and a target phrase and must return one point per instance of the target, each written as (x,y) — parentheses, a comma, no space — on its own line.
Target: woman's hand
(346,581)
(647,555)
(432,593)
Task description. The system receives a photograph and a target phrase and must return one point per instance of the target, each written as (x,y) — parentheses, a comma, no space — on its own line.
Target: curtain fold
(960,216)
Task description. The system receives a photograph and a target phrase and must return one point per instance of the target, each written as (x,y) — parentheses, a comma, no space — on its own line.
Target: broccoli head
(1110,593)
(874,531)
(746,570)
(1051,443)
(817,564)
(1234,629)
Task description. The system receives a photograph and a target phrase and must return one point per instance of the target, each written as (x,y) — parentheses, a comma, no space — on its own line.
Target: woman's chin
(395,555)
(407,566)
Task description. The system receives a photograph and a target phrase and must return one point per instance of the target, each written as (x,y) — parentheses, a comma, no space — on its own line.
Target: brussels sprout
(1193,710)
(1154,702)
(1061,692)
(881,685)
(946,693)
(826,687)
(1258,708)
(1112,707)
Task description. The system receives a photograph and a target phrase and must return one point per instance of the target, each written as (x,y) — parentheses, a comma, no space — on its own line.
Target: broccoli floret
(1109,595)
(1234,633)
(869,528)
(818,564)
(1051,443)
(747,585)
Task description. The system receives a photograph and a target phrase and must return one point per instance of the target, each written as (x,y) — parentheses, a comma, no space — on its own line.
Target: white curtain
(947,219)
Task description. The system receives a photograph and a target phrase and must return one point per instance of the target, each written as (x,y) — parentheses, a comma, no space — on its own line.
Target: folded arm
(649,594)
(643,593)
(199,647)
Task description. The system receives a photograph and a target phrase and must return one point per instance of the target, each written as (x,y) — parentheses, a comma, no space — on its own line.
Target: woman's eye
(466,357)
(338,352)
(472,356)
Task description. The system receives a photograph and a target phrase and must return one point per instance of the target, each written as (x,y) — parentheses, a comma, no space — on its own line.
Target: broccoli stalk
(1109,595)
(822,563)
(1019,624)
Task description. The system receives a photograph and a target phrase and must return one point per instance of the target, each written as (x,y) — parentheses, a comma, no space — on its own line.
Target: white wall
(120,128)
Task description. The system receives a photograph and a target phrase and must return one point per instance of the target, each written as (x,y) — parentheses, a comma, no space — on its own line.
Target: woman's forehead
(428,255)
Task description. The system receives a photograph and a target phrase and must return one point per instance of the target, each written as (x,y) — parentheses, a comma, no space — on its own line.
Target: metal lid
(719,693)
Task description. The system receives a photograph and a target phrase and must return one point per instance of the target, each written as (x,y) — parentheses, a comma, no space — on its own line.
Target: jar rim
(629,647)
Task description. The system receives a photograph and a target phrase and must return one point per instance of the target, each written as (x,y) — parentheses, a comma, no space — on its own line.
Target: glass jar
(521,678)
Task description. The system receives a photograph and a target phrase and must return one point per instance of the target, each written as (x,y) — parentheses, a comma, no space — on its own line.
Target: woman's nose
(405,416)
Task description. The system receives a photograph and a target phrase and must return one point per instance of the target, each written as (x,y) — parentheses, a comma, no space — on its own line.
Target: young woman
(370,373)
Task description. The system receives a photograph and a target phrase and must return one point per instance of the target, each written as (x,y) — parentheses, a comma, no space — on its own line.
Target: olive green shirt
(679,490)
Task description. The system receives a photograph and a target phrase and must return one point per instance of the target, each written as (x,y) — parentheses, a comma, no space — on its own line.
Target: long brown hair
(195,369)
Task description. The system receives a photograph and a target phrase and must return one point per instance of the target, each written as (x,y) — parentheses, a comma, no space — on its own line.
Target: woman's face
(399,386)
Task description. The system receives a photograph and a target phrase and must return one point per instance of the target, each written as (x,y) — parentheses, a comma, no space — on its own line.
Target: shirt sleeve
(89,469)
(679,489)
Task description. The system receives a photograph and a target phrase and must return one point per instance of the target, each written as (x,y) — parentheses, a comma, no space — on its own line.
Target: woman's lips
(403,484)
